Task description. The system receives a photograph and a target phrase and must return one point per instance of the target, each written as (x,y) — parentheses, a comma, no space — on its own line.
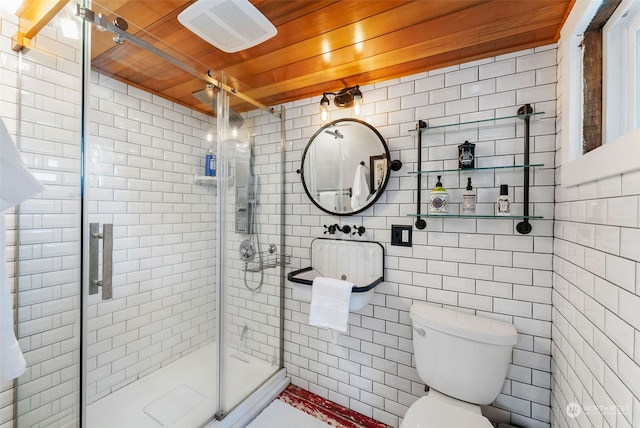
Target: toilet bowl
(464,359)
(439,411)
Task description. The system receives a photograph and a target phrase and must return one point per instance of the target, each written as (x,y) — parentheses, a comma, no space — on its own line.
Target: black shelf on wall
(525,113)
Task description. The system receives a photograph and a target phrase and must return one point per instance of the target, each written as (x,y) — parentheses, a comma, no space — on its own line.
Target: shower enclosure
(148,294)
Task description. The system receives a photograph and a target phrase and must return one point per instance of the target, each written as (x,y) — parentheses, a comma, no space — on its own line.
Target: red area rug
(333,414)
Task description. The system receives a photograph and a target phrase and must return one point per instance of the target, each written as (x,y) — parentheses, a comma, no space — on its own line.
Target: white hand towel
(360,191)
(16,185)
(330,305)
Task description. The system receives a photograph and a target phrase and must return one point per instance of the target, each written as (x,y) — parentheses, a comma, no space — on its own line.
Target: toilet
(463,358)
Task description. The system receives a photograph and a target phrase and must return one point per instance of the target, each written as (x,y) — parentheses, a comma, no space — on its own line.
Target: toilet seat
(432,412)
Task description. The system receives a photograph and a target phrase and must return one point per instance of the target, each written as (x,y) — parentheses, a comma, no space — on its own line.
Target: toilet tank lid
(472,327)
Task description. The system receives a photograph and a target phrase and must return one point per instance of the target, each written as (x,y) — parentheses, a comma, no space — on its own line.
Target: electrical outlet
(401,235)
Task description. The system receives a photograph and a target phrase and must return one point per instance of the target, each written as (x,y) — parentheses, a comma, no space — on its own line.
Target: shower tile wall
(258,311)
(596,313)
(144,152)
(8,111)
(482,266)
(49,271)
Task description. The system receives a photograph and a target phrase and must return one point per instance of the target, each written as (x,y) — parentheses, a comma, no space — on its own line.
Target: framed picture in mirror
(377,171)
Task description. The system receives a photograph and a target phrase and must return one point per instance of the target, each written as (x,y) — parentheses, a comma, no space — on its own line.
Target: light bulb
(324,107)
(234,132)
(357,100)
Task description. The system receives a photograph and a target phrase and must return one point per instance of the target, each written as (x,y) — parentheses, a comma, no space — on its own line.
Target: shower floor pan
(183,394)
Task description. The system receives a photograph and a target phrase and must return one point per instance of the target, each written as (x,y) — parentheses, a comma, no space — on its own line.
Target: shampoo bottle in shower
(469,199)
(210,164)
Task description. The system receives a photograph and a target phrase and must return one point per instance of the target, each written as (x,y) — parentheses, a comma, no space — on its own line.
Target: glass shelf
(496,121)
(498,217)
(476,169)
(205,180)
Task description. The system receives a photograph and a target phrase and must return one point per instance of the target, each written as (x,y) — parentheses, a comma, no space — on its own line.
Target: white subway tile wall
(47,257)
(480,266)
(596,326)
(8,112)
(144,152)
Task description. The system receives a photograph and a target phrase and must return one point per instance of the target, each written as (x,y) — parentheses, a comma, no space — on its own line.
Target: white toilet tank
(461,355)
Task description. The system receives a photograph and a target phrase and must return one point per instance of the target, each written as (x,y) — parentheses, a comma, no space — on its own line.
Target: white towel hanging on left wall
(17,185)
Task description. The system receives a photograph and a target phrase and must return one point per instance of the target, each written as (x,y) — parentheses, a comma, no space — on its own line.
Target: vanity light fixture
(347,97)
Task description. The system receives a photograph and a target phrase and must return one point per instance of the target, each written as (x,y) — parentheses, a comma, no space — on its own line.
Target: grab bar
(107,260)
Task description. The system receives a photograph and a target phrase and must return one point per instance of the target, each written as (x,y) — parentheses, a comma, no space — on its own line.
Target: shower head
(207,96)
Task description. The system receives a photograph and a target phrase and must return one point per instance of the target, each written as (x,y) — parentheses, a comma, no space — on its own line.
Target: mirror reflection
(345,167)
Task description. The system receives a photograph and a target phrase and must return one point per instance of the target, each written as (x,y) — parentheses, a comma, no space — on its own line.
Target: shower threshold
(182,394)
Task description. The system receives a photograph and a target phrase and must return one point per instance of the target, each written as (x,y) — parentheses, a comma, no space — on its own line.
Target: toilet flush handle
(420,331)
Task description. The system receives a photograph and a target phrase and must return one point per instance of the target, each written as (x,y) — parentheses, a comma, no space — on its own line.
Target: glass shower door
(150,288)
(252,159)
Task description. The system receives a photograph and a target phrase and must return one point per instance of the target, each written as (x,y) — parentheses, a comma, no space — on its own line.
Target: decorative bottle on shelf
(466,155)
(503,205)
(469,199)
(439,199)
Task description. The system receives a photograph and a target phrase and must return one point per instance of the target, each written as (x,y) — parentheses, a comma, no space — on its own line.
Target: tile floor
(297,408)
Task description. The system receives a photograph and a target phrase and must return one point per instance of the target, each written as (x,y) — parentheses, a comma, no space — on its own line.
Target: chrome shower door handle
(94,254)
(107,260)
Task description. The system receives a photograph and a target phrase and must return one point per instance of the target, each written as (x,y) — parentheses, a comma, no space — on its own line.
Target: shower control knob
(247,251)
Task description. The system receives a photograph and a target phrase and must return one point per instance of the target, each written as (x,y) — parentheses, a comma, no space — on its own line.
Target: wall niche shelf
(205,180)
(524,114)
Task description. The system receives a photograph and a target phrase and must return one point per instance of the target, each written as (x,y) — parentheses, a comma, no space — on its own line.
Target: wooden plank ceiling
(324,45)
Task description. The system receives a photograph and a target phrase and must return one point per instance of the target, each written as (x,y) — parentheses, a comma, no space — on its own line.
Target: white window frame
(619,40)
(615,157)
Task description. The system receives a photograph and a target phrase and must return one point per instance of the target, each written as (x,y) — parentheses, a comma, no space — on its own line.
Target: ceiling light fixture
(345,98)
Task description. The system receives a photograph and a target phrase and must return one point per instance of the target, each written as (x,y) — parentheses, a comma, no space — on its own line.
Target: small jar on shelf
(503,204)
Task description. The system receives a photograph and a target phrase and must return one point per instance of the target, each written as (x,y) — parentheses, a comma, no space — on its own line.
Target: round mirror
(345,167)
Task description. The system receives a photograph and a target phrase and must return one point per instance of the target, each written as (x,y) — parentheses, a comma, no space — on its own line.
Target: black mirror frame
(386,177)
